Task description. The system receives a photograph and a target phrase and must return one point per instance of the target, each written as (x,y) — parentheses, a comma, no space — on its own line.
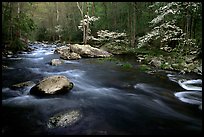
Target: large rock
(88,51)
(70,56)
(65,53)
(62,49)
(52,85)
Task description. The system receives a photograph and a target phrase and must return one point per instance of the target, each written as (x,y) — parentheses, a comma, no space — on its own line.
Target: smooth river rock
(52,85)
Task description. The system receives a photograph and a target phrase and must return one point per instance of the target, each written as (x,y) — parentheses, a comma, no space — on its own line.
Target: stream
(110,99)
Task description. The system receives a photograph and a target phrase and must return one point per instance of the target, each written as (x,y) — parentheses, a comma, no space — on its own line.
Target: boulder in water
(56,62)
(52,85)
(65,53)
(70,56)
(62,49)
(200,107)
(88,51)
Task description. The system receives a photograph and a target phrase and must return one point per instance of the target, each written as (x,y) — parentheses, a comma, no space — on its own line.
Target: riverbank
(166,60)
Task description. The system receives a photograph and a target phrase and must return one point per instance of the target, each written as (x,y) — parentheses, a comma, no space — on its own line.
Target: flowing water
(110,99)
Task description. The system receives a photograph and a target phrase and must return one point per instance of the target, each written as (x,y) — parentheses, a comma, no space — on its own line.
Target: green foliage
(16,27)
(42,34)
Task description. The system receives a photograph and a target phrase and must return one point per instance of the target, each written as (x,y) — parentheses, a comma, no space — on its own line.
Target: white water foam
(187,97)
(35,59)
(71,73)
(70,62)
(187,85)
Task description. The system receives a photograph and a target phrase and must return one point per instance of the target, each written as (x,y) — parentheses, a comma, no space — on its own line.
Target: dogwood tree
(84,26)
(110,36)
(165,26)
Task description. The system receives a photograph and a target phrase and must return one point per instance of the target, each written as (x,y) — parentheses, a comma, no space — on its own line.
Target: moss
(127,66)
(100,60)
(144,68)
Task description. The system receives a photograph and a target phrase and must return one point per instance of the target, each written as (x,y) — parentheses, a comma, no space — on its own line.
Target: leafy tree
(16,26)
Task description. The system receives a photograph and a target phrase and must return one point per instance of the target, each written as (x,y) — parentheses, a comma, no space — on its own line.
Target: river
(110,99)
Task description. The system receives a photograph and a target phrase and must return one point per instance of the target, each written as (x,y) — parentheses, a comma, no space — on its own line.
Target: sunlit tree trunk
(19,11)
(82,15)
(57,19)
(87,24)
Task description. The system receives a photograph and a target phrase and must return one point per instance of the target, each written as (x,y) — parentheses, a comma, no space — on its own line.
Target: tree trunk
(105,12)
(82,15)
(11,21)
(190,27)
(130,22)
(19,11)
(188,20)
(57,11)
(93,8)
(87,24)
(115,15)
(92,11)
(57,19)
(133,25)
(194,28)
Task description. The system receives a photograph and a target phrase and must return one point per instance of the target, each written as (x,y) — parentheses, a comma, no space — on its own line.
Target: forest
(160,29)
(123,63)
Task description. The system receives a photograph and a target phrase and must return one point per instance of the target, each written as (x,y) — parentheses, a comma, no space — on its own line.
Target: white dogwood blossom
(166,30)
(106,35)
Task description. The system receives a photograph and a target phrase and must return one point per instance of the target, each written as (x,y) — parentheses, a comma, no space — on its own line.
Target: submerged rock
(88,51)
(23,84)
(63,120)
(52,85)
(200,107)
